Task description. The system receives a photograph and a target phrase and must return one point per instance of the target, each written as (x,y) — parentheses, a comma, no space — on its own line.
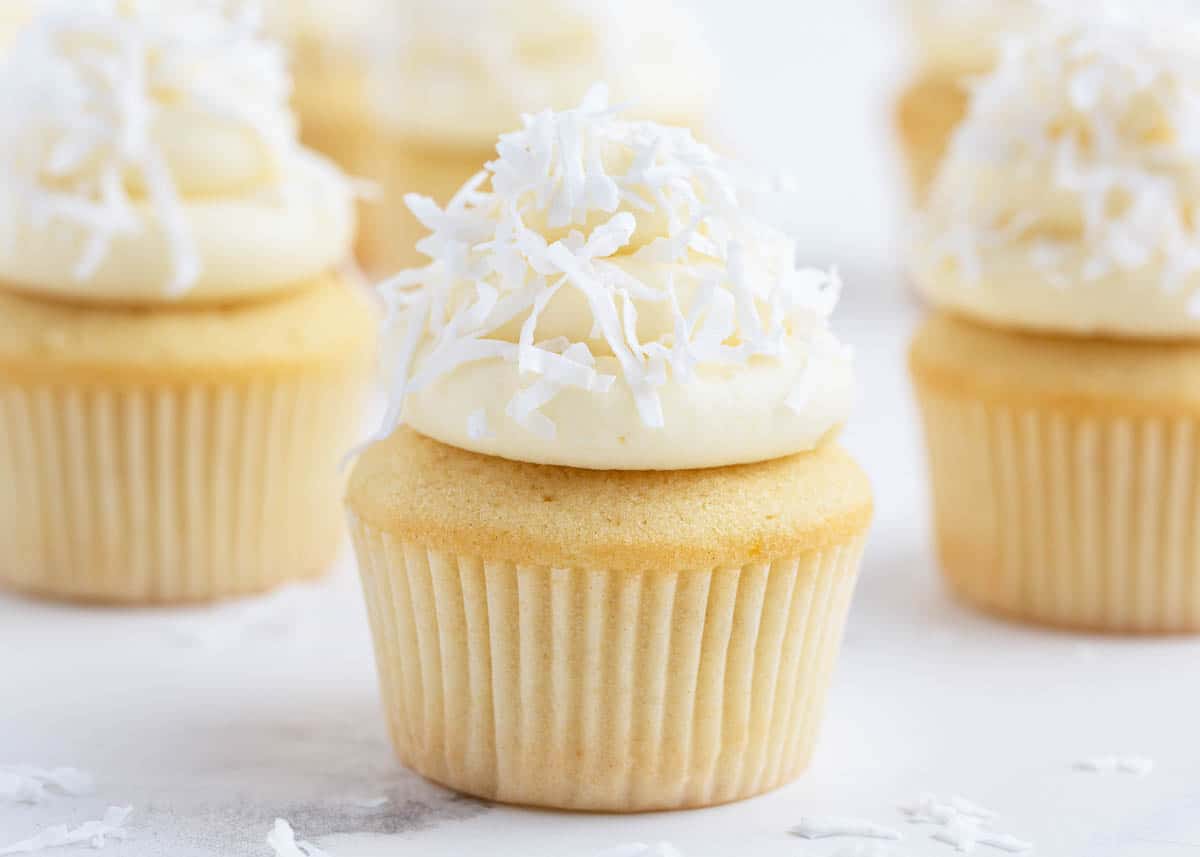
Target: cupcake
(14,14)
(1059,376)
(608,540)
(328,42)
(180,362)
(452,75)
(956,41)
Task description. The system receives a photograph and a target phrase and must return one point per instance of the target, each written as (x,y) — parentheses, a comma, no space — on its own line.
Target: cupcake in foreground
(956,42)
(180,364)
(452,75)
(608,541)
(1060,378)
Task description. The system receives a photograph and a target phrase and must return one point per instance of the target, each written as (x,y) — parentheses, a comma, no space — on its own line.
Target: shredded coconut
(81,90)
(822,828)
(368,802)
(961,823)
(624,218)
(95,833)
(282,840)
(1083,148)
(641,849)
(28,784)
(1136,765)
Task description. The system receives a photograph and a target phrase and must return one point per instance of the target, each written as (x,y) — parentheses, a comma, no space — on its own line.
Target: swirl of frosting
(965,36)
(1069,198)
(459,71)
(600,297)
(150,155)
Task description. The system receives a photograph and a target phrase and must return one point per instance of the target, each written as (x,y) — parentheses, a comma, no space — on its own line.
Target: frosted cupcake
(1059,377)
(956,41)
(452,75)
(608,542)
(328,42)
(180,363)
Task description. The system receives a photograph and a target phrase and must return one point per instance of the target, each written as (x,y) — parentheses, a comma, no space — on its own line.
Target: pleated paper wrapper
(173,494)
(1079,520)
(602,690)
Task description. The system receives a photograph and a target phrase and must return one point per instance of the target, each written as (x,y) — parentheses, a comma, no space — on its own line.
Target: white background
(211,723)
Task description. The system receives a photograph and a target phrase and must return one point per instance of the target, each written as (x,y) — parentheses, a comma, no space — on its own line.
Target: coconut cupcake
(956,41)
(452,75)
(180,363)
(608,542)
(1059,378)
(328,42)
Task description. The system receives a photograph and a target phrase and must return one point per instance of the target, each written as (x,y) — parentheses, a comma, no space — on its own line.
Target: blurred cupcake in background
(955,41)
(451,75)
(14,14)
(180,362)
(1060,376)
(328,42)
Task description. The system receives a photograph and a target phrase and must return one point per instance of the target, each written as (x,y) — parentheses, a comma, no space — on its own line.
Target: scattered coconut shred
(623,213)
(962,824)
(1139,766)
(28,784)
(822,828)
(282,840)
(94,833)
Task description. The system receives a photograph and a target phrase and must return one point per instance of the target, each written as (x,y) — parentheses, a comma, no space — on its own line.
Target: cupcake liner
(601,690)
(1086,520)
(188,493)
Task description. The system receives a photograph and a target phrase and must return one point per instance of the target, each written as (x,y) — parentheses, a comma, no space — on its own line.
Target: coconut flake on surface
(94,833)
(29,784)
(1137,765)
(812,827)
(962,823)
(282,840)
(369,802)
(642,849)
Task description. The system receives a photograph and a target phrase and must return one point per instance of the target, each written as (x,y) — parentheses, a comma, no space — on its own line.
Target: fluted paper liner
(598,690)
(1082,520)
(188,493)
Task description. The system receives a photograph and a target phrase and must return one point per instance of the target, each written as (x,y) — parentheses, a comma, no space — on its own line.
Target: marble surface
(211,723)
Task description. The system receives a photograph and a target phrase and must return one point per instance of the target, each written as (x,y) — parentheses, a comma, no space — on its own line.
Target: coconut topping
(1077,171)
(84,94)
(597,253)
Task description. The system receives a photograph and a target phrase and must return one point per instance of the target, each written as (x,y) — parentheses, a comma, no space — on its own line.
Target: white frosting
(14,14)
(150,155)
(607,302)
(460,72)
(965,36)
(1068,199)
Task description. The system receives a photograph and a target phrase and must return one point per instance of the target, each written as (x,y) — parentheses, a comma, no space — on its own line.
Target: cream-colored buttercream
(458,72)
(1067,200)
(150,155)
(601,298)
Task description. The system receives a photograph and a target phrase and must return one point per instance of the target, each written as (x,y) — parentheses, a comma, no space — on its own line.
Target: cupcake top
(1068,200)
(14,14)
(149,155)
(601,296)
(457,72)
(965,36)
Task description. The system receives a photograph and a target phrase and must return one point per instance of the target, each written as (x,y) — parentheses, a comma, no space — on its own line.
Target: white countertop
(211,723)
